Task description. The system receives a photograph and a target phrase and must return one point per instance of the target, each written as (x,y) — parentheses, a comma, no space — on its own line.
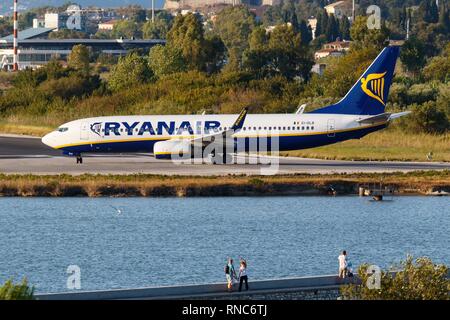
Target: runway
(25,155)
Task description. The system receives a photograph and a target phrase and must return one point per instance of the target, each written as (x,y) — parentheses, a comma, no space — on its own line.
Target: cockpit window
(63,129)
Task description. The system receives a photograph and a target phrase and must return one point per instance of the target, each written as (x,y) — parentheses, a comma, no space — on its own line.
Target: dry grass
(22,129)
(155,185)
(384,145)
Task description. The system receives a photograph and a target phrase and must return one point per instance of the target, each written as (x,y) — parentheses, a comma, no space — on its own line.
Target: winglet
(239,123)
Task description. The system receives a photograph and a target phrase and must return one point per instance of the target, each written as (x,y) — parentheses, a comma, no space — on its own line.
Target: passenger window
(303,128)
(307,128)
(265,128)
(312,128)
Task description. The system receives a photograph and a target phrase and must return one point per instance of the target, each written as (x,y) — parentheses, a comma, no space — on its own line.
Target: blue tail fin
(369,94)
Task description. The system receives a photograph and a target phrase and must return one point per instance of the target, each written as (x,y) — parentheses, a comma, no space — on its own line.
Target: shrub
(418,279)
(21,291)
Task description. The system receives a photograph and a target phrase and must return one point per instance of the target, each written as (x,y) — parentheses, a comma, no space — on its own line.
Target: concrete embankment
(163,186)
(304,288)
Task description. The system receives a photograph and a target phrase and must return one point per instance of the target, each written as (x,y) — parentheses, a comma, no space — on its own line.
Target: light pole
(153,11)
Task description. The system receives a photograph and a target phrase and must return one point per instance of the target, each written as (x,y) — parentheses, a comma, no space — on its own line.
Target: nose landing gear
(79,159)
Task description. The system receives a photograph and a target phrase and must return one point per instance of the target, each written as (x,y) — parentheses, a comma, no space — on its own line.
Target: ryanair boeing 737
(359,113)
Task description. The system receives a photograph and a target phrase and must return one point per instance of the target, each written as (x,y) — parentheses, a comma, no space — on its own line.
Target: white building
(38,23)
(312,22)
(340,8)
(108,25)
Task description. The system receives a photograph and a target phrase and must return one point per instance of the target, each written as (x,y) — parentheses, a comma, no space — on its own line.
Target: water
(172,241)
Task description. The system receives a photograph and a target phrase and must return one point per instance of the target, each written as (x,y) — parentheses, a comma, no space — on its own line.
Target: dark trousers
(241,280)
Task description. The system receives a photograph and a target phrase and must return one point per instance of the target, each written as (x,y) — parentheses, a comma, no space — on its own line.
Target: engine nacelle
(172,149)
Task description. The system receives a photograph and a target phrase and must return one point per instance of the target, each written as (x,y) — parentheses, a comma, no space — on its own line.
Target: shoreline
(143,185)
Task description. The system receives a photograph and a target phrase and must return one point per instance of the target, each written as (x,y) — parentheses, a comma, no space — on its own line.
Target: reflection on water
(186,240)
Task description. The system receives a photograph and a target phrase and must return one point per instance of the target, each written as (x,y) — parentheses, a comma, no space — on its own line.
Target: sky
(6,5)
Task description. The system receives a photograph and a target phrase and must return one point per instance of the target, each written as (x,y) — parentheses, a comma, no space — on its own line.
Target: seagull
(117,210)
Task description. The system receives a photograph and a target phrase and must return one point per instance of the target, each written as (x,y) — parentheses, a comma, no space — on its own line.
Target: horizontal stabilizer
(398,115)
(382,117)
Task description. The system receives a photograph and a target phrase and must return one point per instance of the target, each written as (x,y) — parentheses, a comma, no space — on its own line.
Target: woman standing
(230,273)
(243,275)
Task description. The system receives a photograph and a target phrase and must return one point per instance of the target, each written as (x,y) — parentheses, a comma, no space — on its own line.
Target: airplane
(360,112)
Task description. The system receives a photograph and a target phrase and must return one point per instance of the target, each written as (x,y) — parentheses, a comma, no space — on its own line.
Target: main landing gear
(79,159)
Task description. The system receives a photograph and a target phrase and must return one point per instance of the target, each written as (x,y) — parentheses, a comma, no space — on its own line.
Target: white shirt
(342,261)
(242,272)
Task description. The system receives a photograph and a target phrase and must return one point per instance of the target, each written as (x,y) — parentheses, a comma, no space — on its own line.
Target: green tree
(427,117)
(187,36)
(79,59)
(341,73)
(364,37)
(428,11)
(21,291)
(130,71)
(418,279)
(332,29)
(281,53)
(344,28)
(305,32)
(159,28)
(126,29)
(164,60)
(68,34)
(26,20)
(413,55)
(438,67)
(234,25)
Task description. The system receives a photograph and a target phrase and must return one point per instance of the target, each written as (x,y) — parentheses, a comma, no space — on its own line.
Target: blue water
(171,241)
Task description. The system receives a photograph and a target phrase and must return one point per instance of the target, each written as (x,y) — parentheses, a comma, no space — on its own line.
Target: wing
(223,136)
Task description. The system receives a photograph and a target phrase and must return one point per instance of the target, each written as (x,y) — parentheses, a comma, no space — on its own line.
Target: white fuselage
(140,133)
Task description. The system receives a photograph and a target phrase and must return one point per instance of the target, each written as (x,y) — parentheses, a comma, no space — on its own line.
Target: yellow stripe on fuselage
(234,136)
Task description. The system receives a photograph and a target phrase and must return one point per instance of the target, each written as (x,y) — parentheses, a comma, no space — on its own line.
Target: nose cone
(49,140)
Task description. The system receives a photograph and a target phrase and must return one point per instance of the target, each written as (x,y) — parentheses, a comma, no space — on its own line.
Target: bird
(119,211)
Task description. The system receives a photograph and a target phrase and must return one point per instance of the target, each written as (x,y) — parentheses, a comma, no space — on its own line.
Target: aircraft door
(331,128)
(84,131)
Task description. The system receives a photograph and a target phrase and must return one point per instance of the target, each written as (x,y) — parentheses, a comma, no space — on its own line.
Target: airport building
(35,49)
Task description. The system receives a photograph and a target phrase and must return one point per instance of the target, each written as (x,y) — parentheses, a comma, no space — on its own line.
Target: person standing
(230,273)
(343,264)
(243,275)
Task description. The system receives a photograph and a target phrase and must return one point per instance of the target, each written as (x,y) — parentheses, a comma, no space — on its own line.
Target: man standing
(343,264)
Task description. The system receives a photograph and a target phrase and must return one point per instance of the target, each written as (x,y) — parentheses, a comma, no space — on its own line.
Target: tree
(281,53)
(413,55)
(427,117)
(26,20)
(332,29)
(234,25)
(305,32)
(79,59)
(159,28)
(165,60)
(363,37)
(438,67)
(187,36)
(21,291)
(418,279)
(126,29)
(68,34)
(130,71)
(342,72)
(428,11)
(344,28)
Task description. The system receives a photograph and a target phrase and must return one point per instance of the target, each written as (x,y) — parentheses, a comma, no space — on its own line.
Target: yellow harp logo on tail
(373,86)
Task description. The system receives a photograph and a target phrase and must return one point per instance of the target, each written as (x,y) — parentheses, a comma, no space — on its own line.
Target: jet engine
(172,149)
